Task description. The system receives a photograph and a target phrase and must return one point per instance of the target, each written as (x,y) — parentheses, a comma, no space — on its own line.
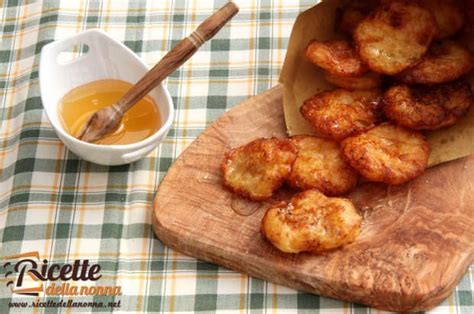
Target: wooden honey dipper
(107,119)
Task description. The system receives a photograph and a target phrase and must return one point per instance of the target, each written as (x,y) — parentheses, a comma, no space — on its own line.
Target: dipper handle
(107,119)
(178,55)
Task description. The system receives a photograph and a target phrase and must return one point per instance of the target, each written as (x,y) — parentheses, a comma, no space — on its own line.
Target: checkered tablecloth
(67,209)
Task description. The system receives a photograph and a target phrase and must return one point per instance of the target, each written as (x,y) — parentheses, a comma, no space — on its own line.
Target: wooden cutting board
(416,243)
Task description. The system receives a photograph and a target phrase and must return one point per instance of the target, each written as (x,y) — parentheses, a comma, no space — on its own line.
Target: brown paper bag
(301,80)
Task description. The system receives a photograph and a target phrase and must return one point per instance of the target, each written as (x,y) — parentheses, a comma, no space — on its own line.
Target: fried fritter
(351,18)
(335,56)
(367,81)
(311,222)
(445,62)
(387,153)
(428,107)
(341,113)
(319,165)
(395,36)
(257,169)
(355,12)
(448,15)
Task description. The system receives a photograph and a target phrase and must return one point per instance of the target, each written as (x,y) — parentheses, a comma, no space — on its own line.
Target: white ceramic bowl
(107,58)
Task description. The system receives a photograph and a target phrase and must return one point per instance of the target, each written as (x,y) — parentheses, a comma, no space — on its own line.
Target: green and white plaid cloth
(65,209)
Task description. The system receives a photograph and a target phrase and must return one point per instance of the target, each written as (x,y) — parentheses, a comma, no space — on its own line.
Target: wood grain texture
(417,240)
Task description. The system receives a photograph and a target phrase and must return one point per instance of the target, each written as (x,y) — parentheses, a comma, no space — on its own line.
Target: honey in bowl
(78,105)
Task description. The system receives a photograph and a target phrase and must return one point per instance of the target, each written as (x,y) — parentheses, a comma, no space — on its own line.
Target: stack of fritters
(406,52)
(310,221)
(403,73)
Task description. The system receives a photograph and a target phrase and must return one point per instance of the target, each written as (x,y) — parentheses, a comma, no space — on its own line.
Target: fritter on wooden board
(311,222)
(319,165)
(257,169)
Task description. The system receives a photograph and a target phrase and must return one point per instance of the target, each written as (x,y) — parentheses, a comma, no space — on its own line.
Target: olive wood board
(417,240)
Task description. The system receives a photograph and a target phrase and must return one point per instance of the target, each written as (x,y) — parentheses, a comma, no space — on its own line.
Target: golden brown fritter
(257,169)
(335,56)
(319,165)
(367,81)
(446,61)
(387,153)
(355,12)
(311,222)
(341,113)
(351,18)
(428,107)
(448,15)
(395,36)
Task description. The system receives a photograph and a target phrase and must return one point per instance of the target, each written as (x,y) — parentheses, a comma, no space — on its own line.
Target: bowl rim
(164,128)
